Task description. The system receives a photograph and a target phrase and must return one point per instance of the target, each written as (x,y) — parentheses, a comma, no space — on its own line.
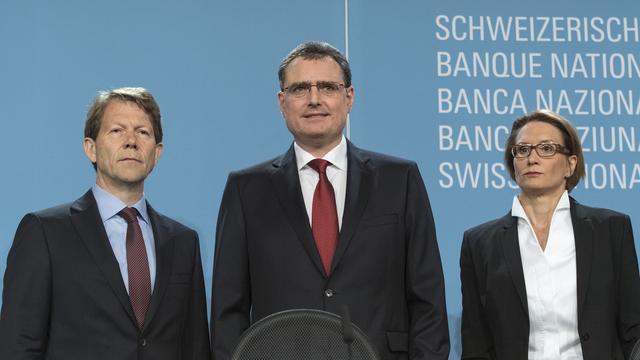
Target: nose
(533,157)
(130,140)
(314,98)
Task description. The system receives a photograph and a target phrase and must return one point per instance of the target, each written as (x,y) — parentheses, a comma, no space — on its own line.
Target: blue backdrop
(436,82)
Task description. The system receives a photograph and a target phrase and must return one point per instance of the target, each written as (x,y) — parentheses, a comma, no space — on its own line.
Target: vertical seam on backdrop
(346,52)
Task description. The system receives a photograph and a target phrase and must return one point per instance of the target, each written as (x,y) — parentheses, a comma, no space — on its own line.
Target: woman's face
(538,175)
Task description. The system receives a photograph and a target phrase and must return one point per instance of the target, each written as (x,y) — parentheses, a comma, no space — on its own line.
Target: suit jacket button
(328,293)
(143,342)
(585,337)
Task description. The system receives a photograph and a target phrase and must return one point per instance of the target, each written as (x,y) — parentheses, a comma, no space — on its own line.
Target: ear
(573,161)
(281,101)
(159,149)
(351,96)
(90,149)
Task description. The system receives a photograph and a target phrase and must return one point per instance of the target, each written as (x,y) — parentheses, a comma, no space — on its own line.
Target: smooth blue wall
(212,67)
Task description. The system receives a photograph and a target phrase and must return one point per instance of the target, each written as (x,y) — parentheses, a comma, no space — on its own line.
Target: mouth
(532,173)
(315,115)
(130,159)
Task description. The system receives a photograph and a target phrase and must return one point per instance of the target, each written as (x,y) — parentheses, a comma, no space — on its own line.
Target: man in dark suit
(107,277)
(328,224)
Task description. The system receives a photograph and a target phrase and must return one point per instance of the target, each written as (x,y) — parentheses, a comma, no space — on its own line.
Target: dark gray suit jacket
(64,297)
(386,268)
(495,317)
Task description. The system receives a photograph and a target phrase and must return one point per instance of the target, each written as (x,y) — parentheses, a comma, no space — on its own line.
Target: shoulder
(377,159)
(59,214)
(486,232)
(597,215)
(383,164)
(54,222)
(171,226)
(262,169)
(604,221)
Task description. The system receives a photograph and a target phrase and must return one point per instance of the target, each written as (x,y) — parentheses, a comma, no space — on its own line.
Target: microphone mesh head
(302,334)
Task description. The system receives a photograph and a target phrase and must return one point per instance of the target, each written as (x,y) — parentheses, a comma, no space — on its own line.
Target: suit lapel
(164,261)
(86,219)
(583,235)
(359,180)
(511,250)
(286,181)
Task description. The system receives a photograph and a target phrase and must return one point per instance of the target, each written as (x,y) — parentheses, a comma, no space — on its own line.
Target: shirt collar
(109,205)
(518,211)
(337,156)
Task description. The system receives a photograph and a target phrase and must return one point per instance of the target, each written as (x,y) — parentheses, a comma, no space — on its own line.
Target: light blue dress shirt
(116,227)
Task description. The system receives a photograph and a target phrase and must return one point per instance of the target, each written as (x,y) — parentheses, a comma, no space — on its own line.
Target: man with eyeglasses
(328,224)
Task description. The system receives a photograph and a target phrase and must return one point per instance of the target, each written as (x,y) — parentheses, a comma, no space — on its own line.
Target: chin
(132,178)
(540,190)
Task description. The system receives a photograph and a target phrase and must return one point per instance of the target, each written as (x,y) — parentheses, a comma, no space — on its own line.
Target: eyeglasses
(326,88)
(544,150)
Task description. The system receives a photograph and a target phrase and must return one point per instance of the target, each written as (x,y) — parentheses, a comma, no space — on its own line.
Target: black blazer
(386,267)
(64,297)
(495,321)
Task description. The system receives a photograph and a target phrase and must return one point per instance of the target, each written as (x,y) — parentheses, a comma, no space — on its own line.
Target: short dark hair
(569,136)
(315,50)
(137,95)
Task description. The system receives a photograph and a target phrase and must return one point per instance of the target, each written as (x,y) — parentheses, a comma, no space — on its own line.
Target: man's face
(125,150)
(315,119)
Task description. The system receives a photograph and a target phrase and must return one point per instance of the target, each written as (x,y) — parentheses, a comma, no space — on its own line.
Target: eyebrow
(317,82)
(124,125)
(540,142)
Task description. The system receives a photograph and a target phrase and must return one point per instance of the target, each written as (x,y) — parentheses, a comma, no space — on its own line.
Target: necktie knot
(319,165)
(129,214)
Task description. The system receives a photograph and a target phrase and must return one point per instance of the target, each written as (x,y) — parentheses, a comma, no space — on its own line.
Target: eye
(547,148)
(297,89)
(144,132)
(522,150)
(328,87)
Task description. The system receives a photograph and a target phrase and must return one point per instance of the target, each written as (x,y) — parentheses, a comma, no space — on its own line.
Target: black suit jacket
(386,268)
(495,320)
(64,297)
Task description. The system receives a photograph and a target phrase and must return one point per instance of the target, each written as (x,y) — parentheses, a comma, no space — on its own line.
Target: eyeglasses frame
(558,149)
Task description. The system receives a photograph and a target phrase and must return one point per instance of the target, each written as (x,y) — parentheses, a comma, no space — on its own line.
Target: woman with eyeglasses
(552,279)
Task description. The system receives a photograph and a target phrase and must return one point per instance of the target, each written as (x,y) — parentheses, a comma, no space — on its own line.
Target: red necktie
(137,265)
(324,218)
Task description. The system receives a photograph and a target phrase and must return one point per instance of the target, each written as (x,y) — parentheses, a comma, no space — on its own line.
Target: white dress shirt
(550,279)
(336,173)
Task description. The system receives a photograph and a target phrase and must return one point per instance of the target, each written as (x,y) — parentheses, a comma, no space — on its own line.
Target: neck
(318,148)
(127,193)
(539,207)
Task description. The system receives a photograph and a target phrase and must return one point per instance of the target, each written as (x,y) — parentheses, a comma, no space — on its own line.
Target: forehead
(537,131)
(304,70)
(119,111)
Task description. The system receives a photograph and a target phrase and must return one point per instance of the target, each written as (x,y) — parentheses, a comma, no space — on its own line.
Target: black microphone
(347,328)
(635,353)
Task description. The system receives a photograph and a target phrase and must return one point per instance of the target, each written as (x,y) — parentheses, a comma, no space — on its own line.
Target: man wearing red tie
(328,224)
(107,277)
